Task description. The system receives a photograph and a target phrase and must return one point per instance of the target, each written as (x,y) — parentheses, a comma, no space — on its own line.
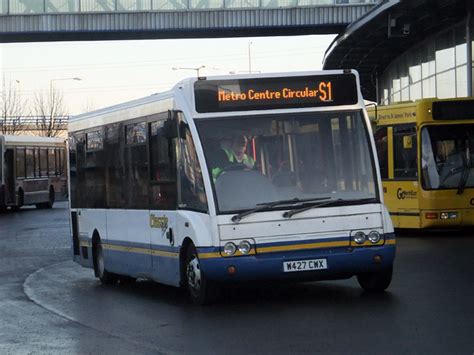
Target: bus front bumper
(340,263)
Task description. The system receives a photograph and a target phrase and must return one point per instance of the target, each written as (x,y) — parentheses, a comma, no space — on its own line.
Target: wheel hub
(194,274)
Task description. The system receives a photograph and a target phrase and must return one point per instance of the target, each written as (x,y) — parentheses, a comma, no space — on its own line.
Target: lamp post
(197,69)
(60,79)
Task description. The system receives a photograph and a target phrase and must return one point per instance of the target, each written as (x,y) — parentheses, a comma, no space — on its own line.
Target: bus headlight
(245,247)
(374,237)
(230,248)
(359,237)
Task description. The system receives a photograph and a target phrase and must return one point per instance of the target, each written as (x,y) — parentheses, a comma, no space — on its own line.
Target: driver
(235,153)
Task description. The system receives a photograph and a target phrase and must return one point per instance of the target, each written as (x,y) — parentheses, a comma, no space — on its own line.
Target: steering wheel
(234,167)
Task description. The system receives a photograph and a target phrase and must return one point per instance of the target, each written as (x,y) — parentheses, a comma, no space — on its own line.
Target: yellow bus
(426,156)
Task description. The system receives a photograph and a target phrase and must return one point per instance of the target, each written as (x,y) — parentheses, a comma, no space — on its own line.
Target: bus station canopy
(370,44)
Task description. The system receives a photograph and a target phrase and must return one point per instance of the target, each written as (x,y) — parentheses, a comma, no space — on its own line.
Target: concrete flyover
(76,20)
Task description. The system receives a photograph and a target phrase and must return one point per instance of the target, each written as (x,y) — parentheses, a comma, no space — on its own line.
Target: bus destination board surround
(275,93)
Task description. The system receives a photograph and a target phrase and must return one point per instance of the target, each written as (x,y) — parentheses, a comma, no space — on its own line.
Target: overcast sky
(118,71)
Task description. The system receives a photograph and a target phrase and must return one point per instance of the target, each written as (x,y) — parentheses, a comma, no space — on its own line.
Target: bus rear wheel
(201,290)
(101,272)
(51,199)
(377,281)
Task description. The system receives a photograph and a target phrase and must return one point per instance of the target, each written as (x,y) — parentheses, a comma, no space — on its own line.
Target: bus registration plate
(305,265)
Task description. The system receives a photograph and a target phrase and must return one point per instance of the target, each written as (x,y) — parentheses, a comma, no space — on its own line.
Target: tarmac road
(48,304)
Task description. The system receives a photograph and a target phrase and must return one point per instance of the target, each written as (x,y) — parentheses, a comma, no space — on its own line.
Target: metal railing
(32,121)
(13,7)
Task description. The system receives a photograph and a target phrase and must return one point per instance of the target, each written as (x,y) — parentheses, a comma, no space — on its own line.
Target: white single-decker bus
(231,179)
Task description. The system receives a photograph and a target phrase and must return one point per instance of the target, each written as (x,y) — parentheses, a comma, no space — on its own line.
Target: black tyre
(201,290)
(20,201)
(101,272)
(52,198)
(377,281)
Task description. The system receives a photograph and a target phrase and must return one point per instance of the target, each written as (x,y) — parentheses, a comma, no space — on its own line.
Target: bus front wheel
(377,281)
(201,290)
(20,201)
(104,276)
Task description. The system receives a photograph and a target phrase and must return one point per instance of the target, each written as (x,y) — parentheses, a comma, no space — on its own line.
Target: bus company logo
(159,222)
(403,194)
(472,202)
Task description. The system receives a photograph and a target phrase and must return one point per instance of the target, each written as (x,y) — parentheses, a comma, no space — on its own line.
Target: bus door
(401,187)
(9,176)
(162,214)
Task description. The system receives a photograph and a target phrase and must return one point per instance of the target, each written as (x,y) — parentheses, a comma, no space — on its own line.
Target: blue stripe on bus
(265,265)
(160,268)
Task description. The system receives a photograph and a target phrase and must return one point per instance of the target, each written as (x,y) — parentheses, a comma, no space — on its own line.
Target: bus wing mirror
(172,128)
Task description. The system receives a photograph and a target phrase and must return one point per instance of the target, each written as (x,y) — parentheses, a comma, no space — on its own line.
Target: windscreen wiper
(267,205)
(339,201)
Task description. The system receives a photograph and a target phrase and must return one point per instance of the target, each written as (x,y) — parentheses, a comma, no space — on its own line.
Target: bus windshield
(447,156)
(254,160)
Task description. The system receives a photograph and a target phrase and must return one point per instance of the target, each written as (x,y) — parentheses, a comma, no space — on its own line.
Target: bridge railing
(28,122)
(12,7)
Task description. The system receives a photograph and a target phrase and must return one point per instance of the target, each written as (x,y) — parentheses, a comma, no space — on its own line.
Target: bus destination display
(453,110)
(275,93)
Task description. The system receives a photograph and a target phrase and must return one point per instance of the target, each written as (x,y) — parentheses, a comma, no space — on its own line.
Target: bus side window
(30,163)
(37,162)
(43,162)
(136,166)
(61,167)
(405,152)
(191,189)
(94,168)
(381,144)
(114,166)
(78,184)
(58,161)
(51,162)
(162,168)
(20,162)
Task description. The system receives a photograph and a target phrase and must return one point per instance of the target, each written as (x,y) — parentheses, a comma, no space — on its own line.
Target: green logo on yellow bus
(403,194)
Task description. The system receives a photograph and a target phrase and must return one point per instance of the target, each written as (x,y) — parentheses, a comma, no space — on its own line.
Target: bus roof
(131,109)
(30,140)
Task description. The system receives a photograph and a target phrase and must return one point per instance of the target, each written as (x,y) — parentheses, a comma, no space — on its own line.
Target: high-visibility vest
(247,160)
(231,156)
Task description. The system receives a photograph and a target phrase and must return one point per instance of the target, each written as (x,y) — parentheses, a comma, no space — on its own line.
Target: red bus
(33,171)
